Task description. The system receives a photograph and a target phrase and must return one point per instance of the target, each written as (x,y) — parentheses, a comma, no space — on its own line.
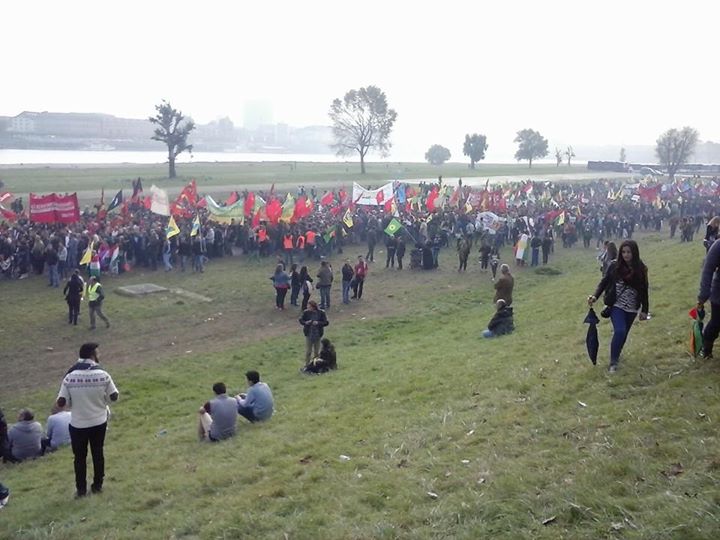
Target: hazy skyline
(602,73)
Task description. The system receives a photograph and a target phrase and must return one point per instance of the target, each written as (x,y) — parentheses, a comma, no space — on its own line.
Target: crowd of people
(529,228)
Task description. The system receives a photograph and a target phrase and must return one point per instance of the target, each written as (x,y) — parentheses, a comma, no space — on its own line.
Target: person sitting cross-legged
(257,404)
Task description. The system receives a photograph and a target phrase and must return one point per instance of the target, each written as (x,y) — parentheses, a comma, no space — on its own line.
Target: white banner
(160,204)
(372,197)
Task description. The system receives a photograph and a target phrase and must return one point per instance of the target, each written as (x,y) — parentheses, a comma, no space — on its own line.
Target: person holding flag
(171,230)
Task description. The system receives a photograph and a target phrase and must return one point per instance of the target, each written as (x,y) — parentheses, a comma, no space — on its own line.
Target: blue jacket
(281,279)
(710,280)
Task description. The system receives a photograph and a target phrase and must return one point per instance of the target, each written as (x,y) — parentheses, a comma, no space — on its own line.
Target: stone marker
(140,289)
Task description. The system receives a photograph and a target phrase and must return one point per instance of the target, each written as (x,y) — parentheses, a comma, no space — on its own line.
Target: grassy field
(32,178)
(518,437)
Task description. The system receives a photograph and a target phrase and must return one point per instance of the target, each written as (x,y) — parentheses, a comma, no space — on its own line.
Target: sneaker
(706,355)
(96,489)
(612,369)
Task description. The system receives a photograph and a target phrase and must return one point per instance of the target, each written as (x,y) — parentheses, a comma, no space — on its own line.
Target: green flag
(329,234)
(393,227)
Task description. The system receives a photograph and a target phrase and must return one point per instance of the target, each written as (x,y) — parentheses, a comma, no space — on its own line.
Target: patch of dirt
(34,366)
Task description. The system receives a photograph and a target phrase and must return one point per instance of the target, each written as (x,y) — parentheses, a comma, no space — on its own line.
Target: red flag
(249,203)
(232,198)
(202,203)
(274,210)
(189,193)
(300,210)
(430,202)
(327,198)
(380,197)
(7,214)
(147,202)
(335,210)
(388,205)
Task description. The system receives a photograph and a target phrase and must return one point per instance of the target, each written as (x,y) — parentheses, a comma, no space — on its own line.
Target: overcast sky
(580,72)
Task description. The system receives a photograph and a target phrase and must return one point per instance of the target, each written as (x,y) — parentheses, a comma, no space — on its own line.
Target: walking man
(87,389)
(95,296)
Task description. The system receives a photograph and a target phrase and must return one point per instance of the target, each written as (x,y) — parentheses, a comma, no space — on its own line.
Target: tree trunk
(472,163)
(530,163)
(171,165)
(362,163)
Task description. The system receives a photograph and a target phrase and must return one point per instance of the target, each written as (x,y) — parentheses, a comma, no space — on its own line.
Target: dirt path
(38,362)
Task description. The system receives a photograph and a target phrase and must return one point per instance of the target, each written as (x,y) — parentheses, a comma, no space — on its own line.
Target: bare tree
(558,157)
(569,154)
(173,129)
(674,147)
(623,156)
(362,122)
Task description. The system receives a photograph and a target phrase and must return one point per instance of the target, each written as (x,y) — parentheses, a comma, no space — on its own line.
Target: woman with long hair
(626,293)
(306,287)
(281,282)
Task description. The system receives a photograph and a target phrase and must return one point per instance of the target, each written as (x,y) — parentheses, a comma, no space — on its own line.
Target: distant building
(23,123)
(79,125)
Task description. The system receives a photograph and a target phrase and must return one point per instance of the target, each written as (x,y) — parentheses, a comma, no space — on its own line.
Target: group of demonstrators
(527,218)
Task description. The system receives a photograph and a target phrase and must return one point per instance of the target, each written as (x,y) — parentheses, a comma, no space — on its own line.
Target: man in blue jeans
(87,389)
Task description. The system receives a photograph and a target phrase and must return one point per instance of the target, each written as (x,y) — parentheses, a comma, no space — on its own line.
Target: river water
(10,157)
(114,157)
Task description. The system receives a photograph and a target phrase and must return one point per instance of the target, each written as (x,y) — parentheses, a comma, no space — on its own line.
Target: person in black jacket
(295,284)
(391,247)
(313,321)
(626,293)
(73,292)
(502,322)
(400,251)
(710,290)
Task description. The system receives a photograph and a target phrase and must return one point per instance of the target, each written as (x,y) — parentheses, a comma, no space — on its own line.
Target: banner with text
(54,208)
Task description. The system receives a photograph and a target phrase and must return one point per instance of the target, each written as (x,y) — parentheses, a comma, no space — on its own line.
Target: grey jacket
(25,439)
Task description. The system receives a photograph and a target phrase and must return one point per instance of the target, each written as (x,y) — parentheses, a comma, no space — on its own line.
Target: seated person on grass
(257,404)
(57,429)
(326,361)
(218,417)
(25,437)
(502,321)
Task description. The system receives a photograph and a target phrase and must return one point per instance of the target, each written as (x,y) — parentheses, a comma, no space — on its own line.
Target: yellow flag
(87,256)
(347,219)
(172,229)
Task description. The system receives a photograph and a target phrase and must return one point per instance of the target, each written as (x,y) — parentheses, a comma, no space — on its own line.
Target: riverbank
(89,179)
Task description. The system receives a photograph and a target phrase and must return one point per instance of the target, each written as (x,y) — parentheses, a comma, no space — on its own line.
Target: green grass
(32,178)
(420,403)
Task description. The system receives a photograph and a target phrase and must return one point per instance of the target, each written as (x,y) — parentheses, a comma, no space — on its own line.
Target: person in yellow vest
(95,296)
